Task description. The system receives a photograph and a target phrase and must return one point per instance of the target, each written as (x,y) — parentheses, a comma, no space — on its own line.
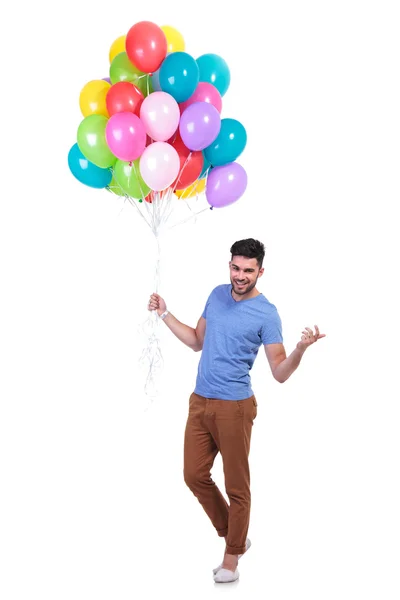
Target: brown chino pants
(221,426)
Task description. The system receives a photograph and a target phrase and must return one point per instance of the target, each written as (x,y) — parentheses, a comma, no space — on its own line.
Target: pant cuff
(235,549)
(222,532)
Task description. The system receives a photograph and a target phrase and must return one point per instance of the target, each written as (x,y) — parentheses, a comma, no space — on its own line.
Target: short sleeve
(271,331)
(204,313)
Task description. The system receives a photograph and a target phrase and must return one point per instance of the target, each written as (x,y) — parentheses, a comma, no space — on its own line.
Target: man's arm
(193,338)
(282,366)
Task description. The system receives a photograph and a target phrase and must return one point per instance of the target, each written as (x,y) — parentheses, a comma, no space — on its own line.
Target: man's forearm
(288,366)
(183,332)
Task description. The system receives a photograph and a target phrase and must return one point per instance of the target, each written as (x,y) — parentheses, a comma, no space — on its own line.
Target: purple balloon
(199,125)
(107,79)
(225,184)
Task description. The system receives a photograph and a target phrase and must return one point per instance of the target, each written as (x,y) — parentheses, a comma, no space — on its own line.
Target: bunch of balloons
(155,123)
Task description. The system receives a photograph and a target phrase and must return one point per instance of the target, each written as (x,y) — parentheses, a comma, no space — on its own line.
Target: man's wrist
(163,314)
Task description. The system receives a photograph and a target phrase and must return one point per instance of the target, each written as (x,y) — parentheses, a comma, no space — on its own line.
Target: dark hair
(250,249)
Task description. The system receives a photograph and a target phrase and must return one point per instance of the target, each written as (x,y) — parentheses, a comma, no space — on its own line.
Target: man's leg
(232,433)
(200,451)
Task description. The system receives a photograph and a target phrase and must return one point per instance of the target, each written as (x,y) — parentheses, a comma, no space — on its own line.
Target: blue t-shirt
(234,334)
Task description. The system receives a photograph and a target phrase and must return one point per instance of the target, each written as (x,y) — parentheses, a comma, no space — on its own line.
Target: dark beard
(245,291)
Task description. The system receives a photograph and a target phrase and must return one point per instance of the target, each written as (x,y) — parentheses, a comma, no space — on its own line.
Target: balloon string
(182,169)
(187,193)
(156,215)
(151,357)
(134,203)
(193,216)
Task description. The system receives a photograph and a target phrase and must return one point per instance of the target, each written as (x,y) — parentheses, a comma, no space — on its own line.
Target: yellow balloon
(117,46)
(92,99)
(193,190)
(175,40)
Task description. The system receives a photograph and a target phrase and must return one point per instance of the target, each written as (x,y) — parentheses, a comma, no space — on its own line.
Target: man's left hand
(309,337)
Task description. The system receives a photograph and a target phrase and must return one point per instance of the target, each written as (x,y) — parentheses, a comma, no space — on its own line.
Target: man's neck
(254,292)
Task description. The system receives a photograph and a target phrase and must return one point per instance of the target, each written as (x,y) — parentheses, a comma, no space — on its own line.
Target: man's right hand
(157,303)
(188,335)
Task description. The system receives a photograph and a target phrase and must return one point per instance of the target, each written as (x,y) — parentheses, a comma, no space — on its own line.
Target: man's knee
(239,494)
(195,478)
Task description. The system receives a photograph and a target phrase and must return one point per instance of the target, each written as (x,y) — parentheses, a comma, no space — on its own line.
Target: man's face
(244,273)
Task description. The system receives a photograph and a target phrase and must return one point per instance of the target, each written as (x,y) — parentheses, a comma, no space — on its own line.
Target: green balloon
(128,176)
(145,85)
(92,141)
(121,69)
(115,188)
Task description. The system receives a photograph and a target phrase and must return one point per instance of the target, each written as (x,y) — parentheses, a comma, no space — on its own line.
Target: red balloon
(173,137)
(179,146)
(191,164)
(146,46)
(124,97)
(150,196)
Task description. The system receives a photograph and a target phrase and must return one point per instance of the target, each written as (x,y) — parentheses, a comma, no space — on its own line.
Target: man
(236,320)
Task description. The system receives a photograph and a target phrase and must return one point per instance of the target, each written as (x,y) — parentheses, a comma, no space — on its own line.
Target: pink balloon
(126,136)
(160,115)
(205,92)
(159,166)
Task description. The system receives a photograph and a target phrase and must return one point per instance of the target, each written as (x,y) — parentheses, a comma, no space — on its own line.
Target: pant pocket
(254,408)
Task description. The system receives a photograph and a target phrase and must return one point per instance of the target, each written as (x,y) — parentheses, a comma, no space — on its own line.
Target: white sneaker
(226,576)
(248,544)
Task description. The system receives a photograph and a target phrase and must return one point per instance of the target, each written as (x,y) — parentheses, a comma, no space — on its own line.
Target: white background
(93,503)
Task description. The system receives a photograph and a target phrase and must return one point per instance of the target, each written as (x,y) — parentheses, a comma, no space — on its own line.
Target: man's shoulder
(219,288)
(218,293)
(267,306)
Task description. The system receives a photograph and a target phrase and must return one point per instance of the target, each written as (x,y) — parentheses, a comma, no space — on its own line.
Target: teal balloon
(85,171)
(155,78)
(228,145)
(214,69)
(179,75)
(206,167)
